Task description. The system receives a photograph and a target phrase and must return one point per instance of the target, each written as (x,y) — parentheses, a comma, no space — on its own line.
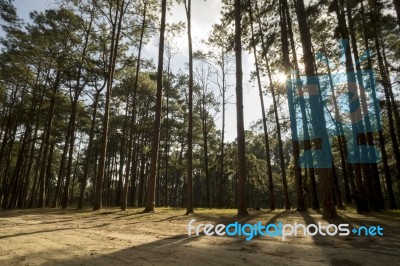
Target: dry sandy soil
(112,237)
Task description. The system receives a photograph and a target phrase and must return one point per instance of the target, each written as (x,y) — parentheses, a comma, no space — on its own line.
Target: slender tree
(189,154)
(124,199)
(150,200)
(75,93)
(264,118)
(219,39)
(318,120)
(119,8)
(285,31)
(241,166)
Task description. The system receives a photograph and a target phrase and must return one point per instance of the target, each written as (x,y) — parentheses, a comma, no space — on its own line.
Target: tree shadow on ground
(51,231)
(180,249)
(374,246)
(8,213)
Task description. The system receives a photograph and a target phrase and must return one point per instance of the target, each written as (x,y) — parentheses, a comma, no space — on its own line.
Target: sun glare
(280,77)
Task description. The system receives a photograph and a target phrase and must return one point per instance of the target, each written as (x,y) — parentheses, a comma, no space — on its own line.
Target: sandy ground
(112,237)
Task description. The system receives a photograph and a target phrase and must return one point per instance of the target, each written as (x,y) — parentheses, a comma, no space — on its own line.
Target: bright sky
(204,15)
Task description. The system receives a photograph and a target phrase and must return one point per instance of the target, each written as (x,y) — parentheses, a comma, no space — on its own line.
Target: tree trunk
(157,121)
(364,190)
(241,173)
(301,205)
(205,148)
(318,120)
(340,133)
(222,162)
(335,183)
(88,159)
(189,154)
(167,144)
(49,126)
(124,199)
(264,119)
(286,27)
(396,108)
(115,37)
(386,170)
(386,85)
(71,143)
(379,204)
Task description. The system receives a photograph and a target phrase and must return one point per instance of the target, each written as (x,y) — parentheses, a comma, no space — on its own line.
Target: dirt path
(111,237)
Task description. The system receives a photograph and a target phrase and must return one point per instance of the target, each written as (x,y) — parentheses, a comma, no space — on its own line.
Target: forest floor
(113,237)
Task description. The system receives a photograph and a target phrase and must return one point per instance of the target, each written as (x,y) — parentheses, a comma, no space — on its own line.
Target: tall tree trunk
(157,121)
(75,94)
(364,190)
(386,170)
(88,159)
(205,148)
(346,168)
(189,154)
(61,170)
(307,144)
(124,200)
(335,184)
(241,165)
(396,108)
(17,174)
(372,79)
(222,161)
(115,37)
(386,85)
(142,180)
(8,135)
(71,133)
(122,154)
(37,167)
(264,118)
(377,190)
(318,120)
(391,105)
(25,173)
(286,27)
(49,126)
(167,140)
(275,105)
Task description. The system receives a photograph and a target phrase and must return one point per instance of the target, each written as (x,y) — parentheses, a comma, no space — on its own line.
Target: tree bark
(157,121)
(317,114)
(49,126)
(241,173)
(189,154)
(264,119)
(124,199)
(115,37)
